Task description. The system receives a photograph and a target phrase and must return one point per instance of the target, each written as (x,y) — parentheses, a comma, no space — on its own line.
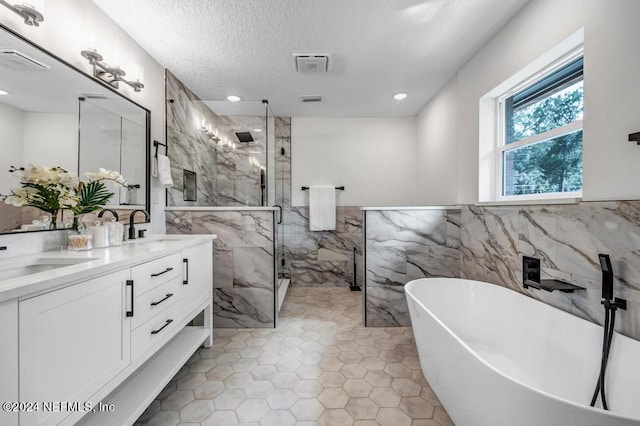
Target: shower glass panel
(112,138)
(282,188)
(225,143)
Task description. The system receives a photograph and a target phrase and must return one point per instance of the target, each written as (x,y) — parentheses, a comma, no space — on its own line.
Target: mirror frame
(112,89)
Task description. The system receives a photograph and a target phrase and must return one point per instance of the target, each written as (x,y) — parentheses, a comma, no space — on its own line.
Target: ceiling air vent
(17,60)
(311,63)
(309,99)
(244,137)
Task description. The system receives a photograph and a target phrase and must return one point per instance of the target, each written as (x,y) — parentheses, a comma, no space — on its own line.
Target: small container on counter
(100,235)
(116,232)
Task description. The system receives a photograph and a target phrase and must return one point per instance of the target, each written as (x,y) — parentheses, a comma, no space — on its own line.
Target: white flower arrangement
(53,188)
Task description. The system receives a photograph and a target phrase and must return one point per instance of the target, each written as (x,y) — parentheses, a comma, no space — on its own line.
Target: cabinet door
(72,342)
(9,359)
(197,278)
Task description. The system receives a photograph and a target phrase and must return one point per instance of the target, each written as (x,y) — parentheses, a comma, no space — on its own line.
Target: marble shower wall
(226,176)
(243,259)
(567,239)
(323,258)
(403,245)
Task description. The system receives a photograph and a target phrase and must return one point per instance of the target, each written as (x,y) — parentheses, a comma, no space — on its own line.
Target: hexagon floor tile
(320,366)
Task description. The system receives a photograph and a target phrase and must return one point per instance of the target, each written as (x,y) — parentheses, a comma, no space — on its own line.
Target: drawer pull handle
(163,272)
(162,300)
(130,284)
(185,263)
(169,321)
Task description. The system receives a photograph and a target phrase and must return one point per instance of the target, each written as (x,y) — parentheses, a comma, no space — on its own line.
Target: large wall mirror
(54,115)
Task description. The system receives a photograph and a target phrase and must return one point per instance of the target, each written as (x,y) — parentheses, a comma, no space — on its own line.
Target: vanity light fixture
(234,98)
(3,92)
(400,96)
(111,75)
(29,13)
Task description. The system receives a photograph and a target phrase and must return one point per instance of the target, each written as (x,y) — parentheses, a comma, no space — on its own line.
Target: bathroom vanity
(92,337)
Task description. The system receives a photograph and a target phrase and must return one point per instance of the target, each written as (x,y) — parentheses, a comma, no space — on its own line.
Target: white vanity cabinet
(72,342)
(195,278)
(111,333)
(9,359)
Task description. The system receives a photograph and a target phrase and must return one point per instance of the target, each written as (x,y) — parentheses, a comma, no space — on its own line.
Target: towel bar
(339,188)
(157,144)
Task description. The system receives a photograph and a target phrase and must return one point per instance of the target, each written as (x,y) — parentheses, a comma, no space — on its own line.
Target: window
(540,136)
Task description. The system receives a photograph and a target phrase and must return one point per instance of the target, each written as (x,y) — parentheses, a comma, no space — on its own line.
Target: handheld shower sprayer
(611,304)
(607,276)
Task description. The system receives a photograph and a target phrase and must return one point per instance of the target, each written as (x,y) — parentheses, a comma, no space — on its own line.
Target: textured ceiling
(376,47)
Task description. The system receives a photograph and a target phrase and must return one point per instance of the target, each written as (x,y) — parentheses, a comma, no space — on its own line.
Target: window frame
(500,131)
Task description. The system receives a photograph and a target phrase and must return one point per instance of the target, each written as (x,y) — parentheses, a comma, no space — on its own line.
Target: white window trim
(491,132)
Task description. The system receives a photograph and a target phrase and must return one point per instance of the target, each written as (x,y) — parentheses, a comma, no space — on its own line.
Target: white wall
(51,140)
(611,90)
(374,158)
(73,25)
(11,128)
(436,149)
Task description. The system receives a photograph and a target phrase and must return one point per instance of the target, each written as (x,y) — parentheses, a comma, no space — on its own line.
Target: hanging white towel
(154,167)
(322,208)
(164,171)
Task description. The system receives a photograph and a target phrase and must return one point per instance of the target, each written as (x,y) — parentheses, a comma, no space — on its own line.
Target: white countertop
(454,207)
(219,208)
(101,261)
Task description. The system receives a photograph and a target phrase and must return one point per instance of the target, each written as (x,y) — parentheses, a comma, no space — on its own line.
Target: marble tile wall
(323,258)
(225,175)
(243,259)
(403,245)
(567,239)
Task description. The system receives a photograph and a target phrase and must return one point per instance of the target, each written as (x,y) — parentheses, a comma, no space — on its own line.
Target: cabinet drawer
(156,300)
(159,271)
(155,330)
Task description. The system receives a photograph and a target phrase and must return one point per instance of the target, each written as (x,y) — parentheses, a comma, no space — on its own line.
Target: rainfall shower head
(244,137)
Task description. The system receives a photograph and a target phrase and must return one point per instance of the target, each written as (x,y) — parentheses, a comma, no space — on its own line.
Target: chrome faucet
(113,212)
(132,229)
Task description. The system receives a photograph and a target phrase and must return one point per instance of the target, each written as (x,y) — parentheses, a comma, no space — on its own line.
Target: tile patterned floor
(320,366)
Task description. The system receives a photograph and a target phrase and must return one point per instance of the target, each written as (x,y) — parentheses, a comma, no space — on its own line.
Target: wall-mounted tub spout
(611,304)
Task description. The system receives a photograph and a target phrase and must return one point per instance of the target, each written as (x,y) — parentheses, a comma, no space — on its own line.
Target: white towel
(164,171)
(322,208)
(154,167)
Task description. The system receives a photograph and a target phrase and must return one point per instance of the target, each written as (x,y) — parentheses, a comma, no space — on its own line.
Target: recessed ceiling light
(257,130)
(400,96)
(233,98)
(3,92)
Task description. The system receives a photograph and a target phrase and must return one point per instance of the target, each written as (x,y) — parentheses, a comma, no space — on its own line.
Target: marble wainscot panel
(225,172)
(243,258)
(567,239)
(402,245)
(324,258)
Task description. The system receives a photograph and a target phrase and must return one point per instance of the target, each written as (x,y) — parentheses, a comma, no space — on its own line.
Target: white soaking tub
(495,357)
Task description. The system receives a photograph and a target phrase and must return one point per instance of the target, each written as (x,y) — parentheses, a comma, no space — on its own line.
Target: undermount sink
(153,239)
(19,268)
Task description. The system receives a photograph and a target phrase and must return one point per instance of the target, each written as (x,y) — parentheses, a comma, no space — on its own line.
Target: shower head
(244,137)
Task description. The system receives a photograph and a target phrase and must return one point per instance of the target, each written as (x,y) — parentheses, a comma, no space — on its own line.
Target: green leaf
(93,196)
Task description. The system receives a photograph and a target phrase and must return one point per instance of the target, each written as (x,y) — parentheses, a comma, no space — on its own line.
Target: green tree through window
(551,165)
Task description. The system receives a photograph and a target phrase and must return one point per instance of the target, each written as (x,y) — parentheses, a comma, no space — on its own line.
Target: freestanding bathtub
(495,357)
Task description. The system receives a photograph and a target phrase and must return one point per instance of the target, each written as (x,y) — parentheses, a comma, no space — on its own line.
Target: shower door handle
(280,215)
